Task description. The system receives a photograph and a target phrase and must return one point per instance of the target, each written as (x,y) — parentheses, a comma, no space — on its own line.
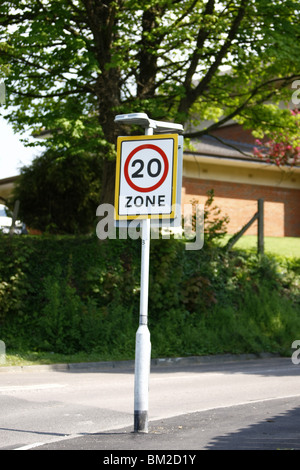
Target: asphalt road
(193,405)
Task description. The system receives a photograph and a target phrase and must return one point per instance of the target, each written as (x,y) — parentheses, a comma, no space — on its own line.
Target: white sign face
(146,176)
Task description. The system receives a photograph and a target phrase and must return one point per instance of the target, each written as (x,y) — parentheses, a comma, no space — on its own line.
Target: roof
(10,179)
(229,150)
(222,148)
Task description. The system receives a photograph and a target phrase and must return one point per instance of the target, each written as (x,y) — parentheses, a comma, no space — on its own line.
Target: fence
(259,216)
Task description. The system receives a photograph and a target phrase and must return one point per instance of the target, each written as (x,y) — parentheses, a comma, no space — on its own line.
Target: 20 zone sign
(146,176)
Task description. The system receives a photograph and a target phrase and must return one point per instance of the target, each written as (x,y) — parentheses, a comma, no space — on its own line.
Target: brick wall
(239,202)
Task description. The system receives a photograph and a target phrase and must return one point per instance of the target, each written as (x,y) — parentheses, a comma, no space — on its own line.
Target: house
(224,163)
(6,188)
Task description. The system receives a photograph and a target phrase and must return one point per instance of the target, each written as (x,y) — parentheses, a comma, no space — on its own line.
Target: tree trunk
(108,97)
(107,195)
(102,20)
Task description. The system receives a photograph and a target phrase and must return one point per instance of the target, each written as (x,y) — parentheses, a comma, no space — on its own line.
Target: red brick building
(239,180)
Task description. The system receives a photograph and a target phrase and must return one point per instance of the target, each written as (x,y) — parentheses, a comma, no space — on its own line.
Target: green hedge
(69,294)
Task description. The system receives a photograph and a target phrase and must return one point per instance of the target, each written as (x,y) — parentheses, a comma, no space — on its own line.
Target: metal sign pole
(143,344)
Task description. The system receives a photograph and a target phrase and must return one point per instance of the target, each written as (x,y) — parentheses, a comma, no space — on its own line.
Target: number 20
(138,173)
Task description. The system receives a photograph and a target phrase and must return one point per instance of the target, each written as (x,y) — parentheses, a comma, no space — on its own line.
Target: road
(191,406)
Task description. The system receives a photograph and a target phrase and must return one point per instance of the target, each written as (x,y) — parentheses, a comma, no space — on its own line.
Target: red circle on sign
(162,179)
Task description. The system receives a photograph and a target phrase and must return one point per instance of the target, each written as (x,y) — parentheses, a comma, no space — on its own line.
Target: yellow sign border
(118,174)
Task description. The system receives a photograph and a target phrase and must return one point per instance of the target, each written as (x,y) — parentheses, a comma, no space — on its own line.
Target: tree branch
(76,91)
(193,94)
(202,35)
(240,108)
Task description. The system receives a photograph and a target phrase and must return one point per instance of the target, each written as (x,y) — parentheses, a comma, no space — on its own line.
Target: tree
(71,65)
(59,192)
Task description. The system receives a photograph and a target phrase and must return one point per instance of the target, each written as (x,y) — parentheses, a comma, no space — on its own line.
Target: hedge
(76,293)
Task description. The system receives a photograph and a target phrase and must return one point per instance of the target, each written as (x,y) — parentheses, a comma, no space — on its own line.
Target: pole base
(141,421)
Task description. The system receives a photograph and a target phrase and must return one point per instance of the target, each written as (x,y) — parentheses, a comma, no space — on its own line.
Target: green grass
(40,358)
(282,246)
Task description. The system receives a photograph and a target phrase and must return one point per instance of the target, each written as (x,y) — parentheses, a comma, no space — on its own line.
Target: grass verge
(282,246)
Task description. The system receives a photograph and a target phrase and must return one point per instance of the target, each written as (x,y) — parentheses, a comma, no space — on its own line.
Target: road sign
(146,177)
(146,186)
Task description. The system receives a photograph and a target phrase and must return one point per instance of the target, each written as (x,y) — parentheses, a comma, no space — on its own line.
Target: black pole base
(141,421)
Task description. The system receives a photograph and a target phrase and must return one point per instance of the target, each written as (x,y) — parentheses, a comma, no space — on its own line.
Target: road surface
(214,404)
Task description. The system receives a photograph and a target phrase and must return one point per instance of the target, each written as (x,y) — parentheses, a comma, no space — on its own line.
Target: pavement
(243,427)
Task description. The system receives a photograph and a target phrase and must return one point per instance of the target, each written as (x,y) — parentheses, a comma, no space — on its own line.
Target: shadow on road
(280,432)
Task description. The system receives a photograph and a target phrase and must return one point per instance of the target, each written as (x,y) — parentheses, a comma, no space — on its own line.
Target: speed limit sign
(146,176)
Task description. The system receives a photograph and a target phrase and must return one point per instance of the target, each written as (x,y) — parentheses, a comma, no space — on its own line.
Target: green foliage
(215,225)
(75,294)
(59,192)
(70,67)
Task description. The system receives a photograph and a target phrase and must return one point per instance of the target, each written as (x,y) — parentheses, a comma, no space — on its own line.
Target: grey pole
(142,342)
